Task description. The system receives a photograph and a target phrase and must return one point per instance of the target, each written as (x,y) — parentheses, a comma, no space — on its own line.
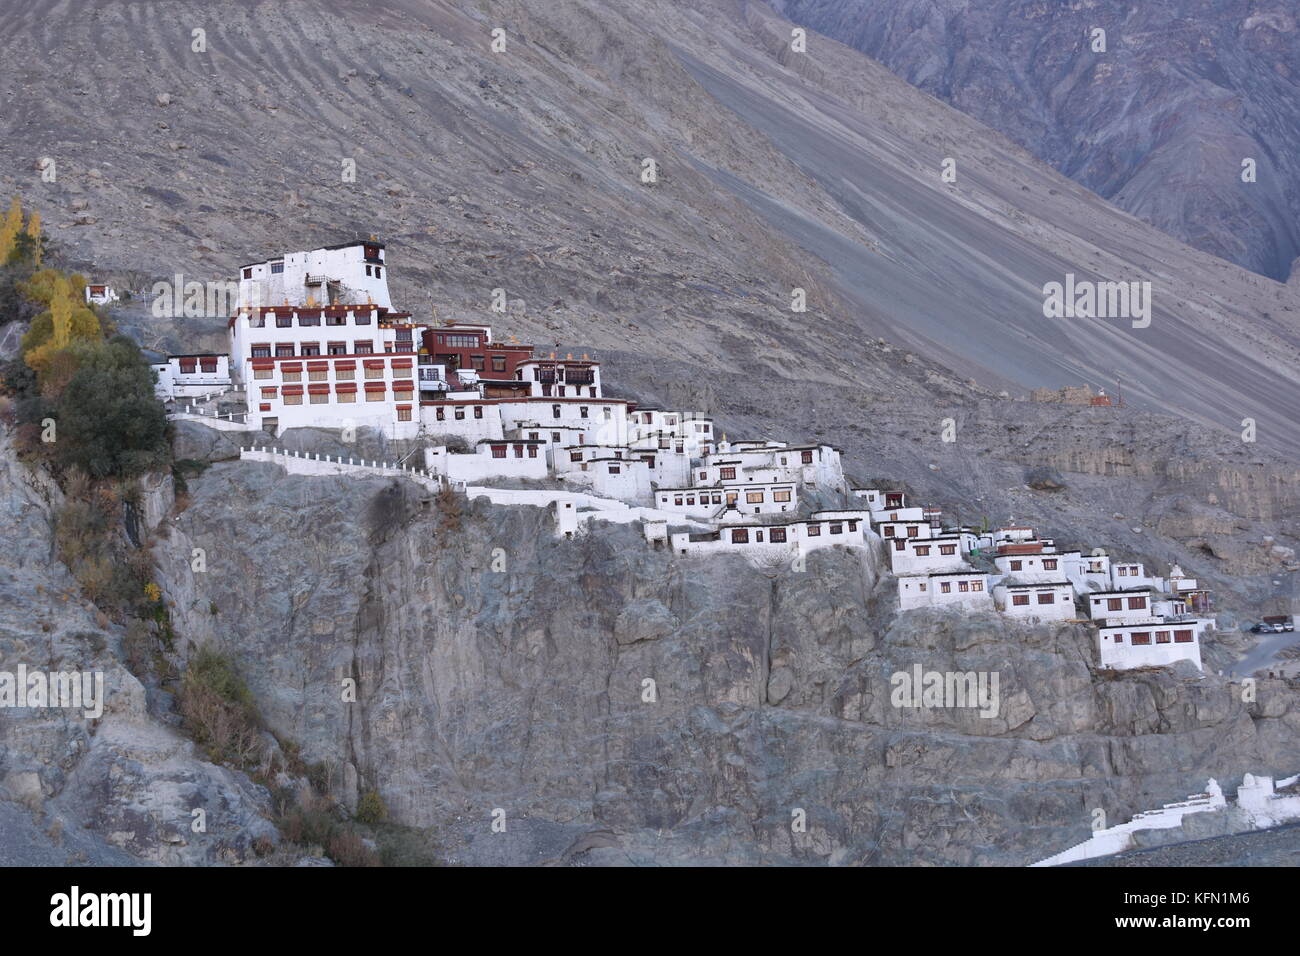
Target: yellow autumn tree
(66,320)
(10,228)
(34,231)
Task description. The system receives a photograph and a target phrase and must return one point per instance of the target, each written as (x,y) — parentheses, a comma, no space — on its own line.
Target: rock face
(1159,123)
(620,704)
(121,786)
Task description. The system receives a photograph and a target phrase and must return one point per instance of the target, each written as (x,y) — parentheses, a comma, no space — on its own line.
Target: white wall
(1061,608)
(1099,605)
(1116,648)
(482,465)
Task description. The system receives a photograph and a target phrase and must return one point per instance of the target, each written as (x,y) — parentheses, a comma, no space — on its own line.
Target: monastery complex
(332,352)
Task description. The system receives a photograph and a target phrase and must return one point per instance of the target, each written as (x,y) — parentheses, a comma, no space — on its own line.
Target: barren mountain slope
(520,169)
(1159,122)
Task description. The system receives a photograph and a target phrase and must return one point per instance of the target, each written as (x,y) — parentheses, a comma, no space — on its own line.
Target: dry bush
(219,712)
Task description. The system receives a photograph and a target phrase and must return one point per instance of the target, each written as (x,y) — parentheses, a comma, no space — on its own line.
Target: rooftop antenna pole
(1119,388)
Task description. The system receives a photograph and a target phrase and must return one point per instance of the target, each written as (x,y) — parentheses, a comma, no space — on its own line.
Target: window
(555,411)
(922,550)
(293,399)
(401,395)
(318,375)
(263,372)
(1119,638)
(1182,637)
(1049,564)
(807,457)
(1162,637)
(899,544)
(1141,637)
(814,530)
(284,351)
(1114,604)
(336,348)
(963,585)
(726,474)
(577,456)
(308,320)
(363,348)
(257,321)
(555,436)
(261,351)
(739,536)
(947,549)
(1020,600)
(582,411)
(837,529)
(532,451)
(1136,603)
(283,321)
(374,396)
(208,363)
(269,392)
(277,267)
(754,497)
(615,470)
(440,414)
(292,376)
(362,318)
(1016,565)
(478,411)
(780,496)
(977,585)
(498,363)
(345,374)
(945,587)
(347,398)
(1046,597)
(498,451)
(374,373)
(248,273)
(458,413)
(476,362)
(777,536)
(319,398)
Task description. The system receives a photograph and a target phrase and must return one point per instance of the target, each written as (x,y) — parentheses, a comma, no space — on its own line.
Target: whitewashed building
(1149,642)
(97,293)
(1045,601)
(925,555)
(351,273)
(1120,605)
(192,376)
(968,587)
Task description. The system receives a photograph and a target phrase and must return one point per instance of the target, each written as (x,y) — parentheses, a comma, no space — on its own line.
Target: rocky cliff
(523,690)
(116,788)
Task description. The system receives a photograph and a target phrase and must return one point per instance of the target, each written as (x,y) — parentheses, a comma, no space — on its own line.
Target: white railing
(306,463)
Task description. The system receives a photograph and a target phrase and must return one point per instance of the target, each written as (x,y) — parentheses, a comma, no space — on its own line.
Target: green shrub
(370,808)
